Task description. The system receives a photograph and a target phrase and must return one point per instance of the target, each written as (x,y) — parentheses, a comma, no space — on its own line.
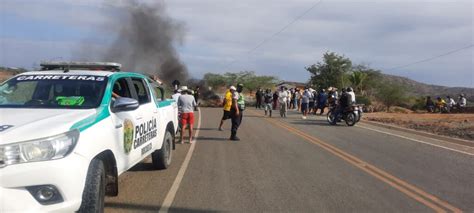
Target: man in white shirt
(450,103)
(186,103)
(282,99)
(462,102)
(176,95)
(350,91)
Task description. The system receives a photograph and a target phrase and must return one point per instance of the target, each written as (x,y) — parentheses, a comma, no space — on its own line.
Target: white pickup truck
(68,131)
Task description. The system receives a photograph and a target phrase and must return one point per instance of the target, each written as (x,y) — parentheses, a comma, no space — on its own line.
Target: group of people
(445,105)
(307,100)
(233,104)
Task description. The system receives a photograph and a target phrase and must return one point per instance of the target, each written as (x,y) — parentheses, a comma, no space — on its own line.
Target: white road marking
(419,141)
(177,181)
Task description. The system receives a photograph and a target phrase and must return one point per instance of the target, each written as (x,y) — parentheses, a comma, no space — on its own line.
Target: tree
(214,80)
(357,79)
(249,79)
(365,80)
(330,72)
(391,94)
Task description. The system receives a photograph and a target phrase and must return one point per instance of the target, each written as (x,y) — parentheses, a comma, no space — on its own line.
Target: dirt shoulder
(452,125)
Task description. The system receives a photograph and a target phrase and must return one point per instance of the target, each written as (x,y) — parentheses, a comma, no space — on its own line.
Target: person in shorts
(186,103)
(227,105)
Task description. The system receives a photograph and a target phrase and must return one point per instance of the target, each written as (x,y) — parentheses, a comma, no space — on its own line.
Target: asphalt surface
(295,165)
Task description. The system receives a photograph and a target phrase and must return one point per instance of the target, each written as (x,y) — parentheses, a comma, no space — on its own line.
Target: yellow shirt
(228,100)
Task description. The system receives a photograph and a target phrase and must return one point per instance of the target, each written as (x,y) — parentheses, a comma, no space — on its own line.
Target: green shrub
(363,100)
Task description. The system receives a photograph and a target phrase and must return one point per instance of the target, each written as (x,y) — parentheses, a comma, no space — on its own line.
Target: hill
(417,89)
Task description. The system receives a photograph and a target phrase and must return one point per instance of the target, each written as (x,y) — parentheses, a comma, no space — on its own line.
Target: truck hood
(18,125)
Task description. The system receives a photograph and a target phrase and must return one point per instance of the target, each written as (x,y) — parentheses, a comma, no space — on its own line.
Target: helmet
(349,89)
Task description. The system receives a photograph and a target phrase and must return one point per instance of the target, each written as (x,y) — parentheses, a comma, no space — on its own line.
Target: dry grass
(453,125)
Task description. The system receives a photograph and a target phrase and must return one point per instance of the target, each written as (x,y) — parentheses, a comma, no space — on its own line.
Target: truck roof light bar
(66,66)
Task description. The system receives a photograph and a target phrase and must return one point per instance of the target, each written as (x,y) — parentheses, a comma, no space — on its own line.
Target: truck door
(148,133)
(125,123)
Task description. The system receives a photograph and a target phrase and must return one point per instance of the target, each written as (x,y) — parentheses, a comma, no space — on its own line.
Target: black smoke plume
(146,39)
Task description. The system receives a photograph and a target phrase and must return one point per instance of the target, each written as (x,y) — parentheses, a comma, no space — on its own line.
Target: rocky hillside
(417,89)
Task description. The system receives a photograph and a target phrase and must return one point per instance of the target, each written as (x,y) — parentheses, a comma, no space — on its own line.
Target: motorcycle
(351,115)
(358,111)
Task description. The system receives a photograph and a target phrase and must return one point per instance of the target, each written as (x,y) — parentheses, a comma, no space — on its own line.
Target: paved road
(295,165)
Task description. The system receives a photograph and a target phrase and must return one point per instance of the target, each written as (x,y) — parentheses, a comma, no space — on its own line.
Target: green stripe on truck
(103,110)
(164,103)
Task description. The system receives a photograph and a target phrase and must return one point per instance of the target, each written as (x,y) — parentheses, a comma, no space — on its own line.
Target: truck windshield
(52,91)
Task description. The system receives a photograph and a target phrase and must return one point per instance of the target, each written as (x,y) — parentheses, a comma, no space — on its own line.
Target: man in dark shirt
(342,105)
(430,106)
(258,97)
(197,93)
(322,99)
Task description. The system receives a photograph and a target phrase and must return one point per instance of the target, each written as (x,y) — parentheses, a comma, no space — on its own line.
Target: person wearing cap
(227,103)
(186,104)
(238,106)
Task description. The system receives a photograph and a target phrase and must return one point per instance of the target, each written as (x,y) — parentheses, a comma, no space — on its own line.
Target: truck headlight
(50,148)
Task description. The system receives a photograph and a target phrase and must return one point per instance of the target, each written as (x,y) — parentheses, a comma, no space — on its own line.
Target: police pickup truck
(68,131)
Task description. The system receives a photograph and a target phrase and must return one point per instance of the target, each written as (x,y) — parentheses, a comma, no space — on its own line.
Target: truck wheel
(94,190)
(162,158)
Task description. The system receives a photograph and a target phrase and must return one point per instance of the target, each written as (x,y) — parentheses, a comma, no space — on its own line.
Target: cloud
(383,33)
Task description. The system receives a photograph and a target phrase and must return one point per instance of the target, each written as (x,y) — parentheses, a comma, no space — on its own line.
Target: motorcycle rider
(350,92)
(343,103)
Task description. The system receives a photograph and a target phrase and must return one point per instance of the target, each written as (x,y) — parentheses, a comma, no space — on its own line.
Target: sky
(220,34)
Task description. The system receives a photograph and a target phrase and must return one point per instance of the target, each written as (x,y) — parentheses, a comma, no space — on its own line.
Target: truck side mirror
(122,104)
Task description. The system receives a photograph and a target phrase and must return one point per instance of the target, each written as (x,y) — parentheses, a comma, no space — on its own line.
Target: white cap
(184,88)
(232,88)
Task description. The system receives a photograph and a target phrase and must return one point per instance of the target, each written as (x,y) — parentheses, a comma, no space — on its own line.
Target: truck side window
(142,91)
(157,93)
(121,88)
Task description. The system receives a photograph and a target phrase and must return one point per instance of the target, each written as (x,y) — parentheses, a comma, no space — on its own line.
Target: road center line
(417,194)
(179,177)
(419,141)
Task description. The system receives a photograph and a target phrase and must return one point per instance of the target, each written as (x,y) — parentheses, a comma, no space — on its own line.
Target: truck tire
(162,158)
(94,190)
